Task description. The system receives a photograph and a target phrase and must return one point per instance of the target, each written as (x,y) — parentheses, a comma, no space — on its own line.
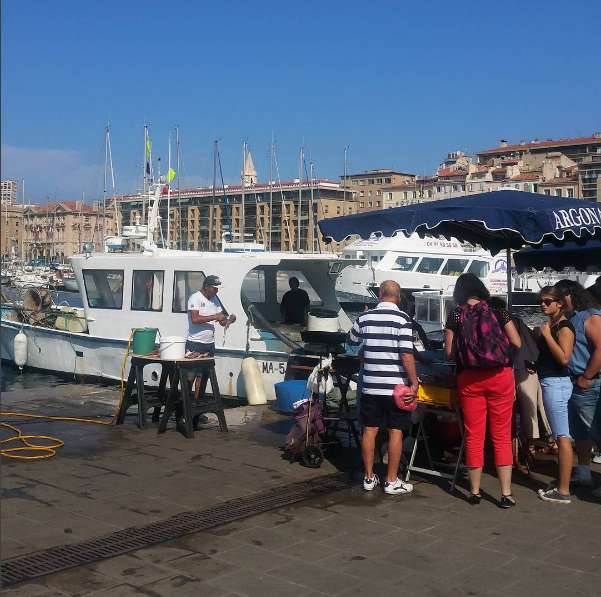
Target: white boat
(121,291)
(430,263)
(70,282)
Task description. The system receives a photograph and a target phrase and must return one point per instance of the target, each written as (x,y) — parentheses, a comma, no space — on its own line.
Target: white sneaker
(596,492)
(397,487)
(370,484)
(581,481)
(597,457)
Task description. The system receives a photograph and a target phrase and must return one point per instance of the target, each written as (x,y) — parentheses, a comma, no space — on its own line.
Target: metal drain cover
(53,560)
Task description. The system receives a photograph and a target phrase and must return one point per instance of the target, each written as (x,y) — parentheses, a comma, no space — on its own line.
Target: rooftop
(548,143)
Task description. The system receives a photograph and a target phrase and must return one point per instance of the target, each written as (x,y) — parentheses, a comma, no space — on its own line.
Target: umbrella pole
(509,301)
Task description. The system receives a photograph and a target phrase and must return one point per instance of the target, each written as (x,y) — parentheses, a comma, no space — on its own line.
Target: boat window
(253,286)
(479,268)
(104,288)
(283,286)
(434,314)
(147,290)
(429,265)
(421,309)
(405,263)
(454,267)
(185,284)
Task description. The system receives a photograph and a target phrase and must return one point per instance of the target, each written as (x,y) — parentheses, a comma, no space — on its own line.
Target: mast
(115,205)
(83,201)
(144,180)
(313,231)
(212,210)
(106,163)
(300,198)
(169,194)
(179,197)
(345,182)
(242,216)
(270,188)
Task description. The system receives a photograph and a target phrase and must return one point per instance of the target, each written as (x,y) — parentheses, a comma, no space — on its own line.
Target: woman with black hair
(584,408)
(479,338)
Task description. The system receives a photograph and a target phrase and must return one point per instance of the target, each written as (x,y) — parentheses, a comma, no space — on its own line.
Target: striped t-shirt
(383,334)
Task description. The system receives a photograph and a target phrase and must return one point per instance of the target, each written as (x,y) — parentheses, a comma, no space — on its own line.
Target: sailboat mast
(169,195)
(313,231)
(117,225)
(300,198)
(345,178)
(243,216)
(144,181)
(212,210)
(106,164)
(270,189)
(179,198)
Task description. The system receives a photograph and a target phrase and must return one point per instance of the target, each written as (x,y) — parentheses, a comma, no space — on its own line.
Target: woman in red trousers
(479,338)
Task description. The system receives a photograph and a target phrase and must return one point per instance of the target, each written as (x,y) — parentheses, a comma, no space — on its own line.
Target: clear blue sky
(400,83)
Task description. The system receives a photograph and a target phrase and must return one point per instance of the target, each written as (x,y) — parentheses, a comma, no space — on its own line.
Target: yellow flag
(148,146)
(170,174)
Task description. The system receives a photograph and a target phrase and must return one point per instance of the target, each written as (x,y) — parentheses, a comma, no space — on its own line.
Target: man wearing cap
(204,309)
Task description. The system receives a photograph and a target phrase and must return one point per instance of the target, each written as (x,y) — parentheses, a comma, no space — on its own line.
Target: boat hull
(82,357)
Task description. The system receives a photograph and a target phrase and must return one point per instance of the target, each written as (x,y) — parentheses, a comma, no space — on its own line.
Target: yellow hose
(50,450)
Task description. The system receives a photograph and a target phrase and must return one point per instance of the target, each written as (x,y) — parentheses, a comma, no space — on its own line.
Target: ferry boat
(429,264)
(151,287)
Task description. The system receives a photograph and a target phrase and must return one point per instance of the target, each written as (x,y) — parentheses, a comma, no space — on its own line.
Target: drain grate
(32,566)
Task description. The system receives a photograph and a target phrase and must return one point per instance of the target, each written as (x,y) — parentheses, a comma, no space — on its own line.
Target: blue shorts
(556,397)
(583,405)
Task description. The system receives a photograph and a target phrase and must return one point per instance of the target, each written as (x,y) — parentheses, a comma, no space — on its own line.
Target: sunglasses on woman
(547,302)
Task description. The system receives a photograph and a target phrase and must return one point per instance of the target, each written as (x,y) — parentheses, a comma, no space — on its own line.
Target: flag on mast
(170,174)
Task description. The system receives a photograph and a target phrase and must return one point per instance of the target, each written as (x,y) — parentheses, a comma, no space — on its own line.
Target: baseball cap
(212,281)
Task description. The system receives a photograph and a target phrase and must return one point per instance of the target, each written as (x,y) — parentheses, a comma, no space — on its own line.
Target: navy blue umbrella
(572,253)
(496,220)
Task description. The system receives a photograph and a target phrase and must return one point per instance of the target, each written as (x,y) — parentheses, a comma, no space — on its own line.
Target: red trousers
(485,391)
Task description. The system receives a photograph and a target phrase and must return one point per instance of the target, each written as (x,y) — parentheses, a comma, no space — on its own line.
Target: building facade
(56,231)
(11,229)
(200,217)
(368,188)
(10,192)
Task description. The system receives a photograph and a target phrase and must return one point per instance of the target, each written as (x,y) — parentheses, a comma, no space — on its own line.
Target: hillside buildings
(9,192)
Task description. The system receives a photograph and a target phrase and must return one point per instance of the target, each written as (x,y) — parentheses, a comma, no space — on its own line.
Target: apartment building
(9,192)
(368,187)
(11,230)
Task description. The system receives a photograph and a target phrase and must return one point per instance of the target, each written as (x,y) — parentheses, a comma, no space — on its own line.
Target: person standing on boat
(295,303)
(204,309)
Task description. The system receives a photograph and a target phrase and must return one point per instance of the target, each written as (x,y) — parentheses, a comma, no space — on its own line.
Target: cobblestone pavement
(349,542)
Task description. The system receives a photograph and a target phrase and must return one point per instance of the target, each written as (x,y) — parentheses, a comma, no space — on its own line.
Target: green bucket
(143,341)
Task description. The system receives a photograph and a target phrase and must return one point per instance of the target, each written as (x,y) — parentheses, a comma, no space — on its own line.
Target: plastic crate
(438,395)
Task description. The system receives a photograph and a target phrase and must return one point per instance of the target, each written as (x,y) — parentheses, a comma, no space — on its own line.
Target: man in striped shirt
(385,339)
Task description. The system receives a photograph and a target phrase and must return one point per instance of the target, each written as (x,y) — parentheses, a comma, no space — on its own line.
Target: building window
(147,290)
(379,192)
(327,209)
(547,191)
(370,204)
(470,187)
(370,181)
(414,194)
(338,209)
(361,193)
(378,181)
(481,186)
(558,193)
(362,204)
(455,187)
(429,193)
(388,180)
(389,196)
(350,210)
(439,189)
(378,204)
(362,183)
(570,192)
(405,195)
(369,193)
(354,183)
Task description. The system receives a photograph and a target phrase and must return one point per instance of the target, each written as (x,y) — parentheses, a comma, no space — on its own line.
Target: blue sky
(400,83)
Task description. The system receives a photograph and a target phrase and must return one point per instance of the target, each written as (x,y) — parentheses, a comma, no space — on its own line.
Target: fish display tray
(438,395)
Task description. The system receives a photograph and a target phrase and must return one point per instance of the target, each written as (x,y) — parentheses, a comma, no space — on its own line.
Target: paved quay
(107,480)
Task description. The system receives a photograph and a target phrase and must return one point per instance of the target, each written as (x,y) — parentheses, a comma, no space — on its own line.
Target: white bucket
(173,347)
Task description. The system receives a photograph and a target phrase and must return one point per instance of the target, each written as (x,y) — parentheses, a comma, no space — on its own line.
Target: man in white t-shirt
(204,309)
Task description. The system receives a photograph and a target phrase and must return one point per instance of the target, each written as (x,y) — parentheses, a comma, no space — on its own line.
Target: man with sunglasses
(584,407)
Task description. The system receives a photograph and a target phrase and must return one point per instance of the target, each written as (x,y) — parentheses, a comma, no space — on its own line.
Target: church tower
(249,174)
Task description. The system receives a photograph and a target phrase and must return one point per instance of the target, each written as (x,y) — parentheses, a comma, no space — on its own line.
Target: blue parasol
(496,220)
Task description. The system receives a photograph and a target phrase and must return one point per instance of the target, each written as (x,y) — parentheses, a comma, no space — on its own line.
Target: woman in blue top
(555,345)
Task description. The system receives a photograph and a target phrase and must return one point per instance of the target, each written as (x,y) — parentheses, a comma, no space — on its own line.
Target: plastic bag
(320,380)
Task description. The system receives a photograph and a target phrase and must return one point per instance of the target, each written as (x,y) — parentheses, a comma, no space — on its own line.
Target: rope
(50,450)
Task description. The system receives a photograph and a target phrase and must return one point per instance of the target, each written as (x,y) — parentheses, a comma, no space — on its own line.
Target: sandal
(550,448)
(474,499)
(507,501)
